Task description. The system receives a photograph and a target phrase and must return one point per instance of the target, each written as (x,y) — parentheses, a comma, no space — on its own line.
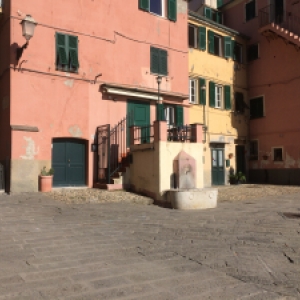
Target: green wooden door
(68,162)
(140,117)
(217,166)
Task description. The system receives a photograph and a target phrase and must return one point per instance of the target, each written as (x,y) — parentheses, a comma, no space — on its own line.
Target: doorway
(240,159)
(217,166)
(69,162)
(139,113)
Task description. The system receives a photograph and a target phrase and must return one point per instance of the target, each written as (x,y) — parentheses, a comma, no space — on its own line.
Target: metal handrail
(284,19)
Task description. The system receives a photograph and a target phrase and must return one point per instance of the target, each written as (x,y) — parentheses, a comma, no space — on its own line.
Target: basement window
(277,154)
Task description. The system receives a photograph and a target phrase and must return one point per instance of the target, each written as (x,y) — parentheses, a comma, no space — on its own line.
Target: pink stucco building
(273,59)
(86,66)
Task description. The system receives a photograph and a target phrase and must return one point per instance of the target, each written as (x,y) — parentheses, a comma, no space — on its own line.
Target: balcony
(275,23)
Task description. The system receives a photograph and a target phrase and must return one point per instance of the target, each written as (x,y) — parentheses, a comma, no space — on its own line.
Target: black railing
(287,20)
(180,133)
(112,147)
(143,134)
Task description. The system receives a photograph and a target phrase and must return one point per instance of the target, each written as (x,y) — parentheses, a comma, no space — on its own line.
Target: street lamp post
(159,107)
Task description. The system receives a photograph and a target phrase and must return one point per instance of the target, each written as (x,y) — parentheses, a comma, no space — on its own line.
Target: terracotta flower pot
(45,183)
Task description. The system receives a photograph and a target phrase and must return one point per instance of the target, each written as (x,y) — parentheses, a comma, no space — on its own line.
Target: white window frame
(195,36)
(218,96)
(192,90)
(220,38)
(163,8)
(169,112)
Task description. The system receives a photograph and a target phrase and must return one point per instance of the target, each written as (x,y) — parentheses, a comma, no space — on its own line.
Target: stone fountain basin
(193,198)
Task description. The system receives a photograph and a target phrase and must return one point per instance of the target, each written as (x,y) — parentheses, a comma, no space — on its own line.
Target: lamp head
(159,79)
(28,26)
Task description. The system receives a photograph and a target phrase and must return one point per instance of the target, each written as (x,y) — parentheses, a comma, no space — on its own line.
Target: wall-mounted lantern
(28,26)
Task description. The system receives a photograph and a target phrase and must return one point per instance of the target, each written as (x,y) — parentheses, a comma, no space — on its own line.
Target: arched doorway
(69,162)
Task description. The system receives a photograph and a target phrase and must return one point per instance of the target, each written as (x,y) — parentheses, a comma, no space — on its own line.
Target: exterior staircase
(285,26)
(113,161)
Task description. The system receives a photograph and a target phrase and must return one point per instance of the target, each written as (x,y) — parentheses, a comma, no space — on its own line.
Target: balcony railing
(143,134)
(180,133)
(160,131)
(284,19)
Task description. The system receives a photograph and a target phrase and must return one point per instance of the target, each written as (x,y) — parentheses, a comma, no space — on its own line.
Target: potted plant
(231,176)
(240,178)
(46,179)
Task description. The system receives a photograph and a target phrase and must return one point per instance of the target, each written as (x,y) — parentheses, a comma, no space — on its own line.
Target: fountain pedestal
(193,198)
(185,195)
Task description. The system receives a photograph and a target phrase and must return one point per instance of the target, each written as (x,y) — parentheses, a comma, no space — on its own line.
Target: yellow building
(218,93)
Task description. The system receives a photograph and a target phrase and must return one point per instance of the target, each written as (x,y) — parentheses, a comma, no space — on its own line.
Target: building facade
(273,85)
(86,66)
(218,92)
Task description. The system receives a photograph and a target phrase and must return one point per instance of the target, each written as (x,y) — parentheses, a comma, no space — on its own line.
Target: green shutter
(154,60)
(228,46)
(160,113)
(172,10)
(207,12)
(227,95)
(212,95)
(219,17)
(73,51)
(144,5)
(202,38)
(61,47)
(163,62)
(179,115)
(202,92)
(211,41)
(219,3)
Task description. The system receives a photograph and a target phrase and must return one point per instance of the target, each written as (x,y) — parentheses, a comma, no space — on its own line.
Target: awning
(141,92)
(123,92)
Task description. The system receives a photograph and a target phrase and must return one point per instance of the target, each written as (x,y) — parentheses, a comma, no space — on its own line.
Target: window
(170,115)
(67,52)
(253,52)
(239,102)
(216,95)
(156,7)
(174,115)
(192,91)
(158,61)
(257,108)
(277,154)
(193,37)
(215,43)
(237,52)
(159,7)
(218,45)
(253,150)
(213,15)
(250,10)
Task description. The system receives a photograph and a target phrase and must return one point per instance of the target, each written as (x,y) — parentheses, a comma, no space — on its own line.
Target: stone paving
(244,249)
(226,193)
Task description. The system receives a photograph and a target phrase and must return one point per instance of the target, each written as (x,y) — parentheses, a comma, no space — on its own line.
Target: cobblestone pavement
(226,193)
(240,250)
